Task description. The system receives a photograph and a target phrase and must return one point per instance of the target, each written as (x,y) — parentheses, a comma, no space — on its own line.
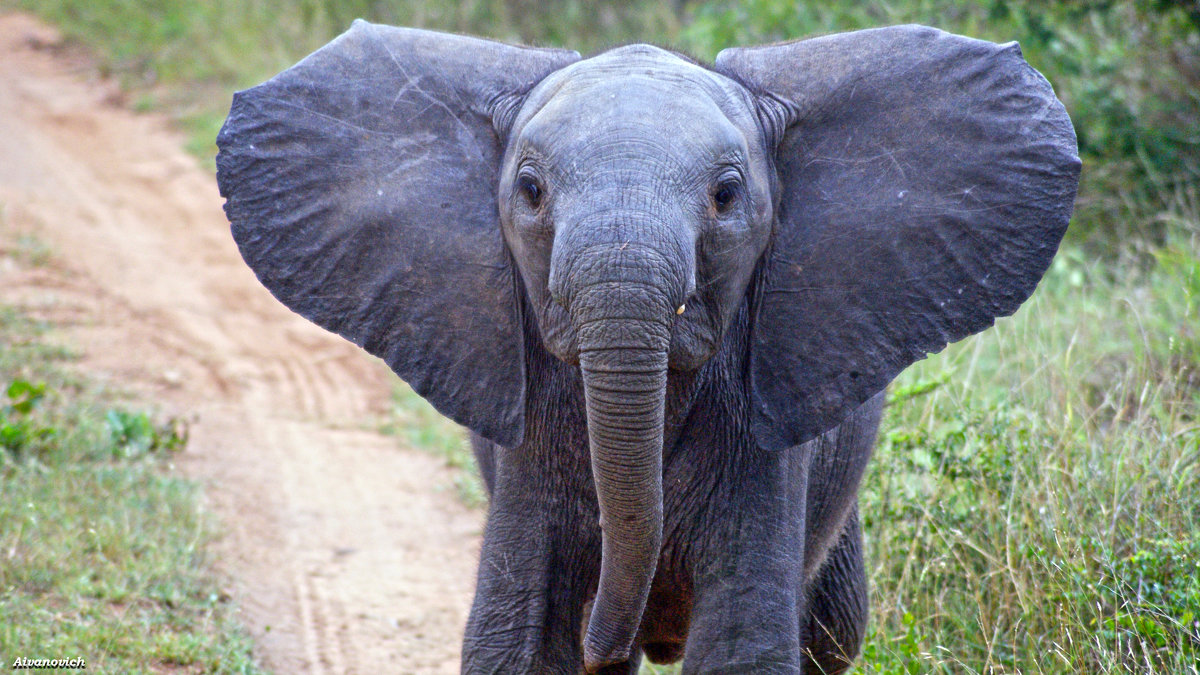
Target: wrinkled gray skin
(666,299)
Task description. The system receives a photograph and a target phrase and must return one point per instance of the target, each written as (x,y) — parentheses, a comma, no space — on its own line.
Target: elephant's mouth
(695,333)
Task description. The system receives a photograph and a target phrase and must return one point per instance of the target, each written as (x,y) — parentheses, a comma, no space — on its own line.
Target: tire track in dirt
(345,556)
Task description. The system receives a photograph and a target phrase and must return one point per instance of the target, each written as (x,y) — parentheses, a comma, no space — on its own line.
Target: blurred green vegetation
(1035,501)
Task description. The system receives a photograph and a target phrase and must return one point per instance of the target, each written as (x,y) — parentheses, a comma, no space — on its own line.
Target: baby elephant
(665,297)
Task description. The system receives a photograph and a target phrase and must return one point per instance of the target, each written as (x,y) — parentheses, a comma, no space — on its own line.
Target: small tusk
(681,308)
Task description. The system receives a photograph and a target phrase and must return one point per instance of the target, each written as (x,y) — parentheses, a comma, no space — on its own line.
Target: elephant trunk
(625,389)
(622,305)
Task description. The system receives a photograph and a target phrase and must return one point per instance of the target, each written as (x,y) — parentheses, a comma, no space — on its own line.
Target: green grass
(1037,508)
(101,547)
(29,250)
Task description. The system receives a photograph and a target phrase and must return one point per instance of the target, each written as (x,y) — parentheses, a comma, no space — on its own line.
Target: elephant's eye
(530,189)
(724,195)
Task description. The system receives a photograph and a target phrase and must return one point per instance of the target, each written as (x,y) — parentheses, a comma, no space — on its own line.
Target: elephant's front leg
(537,566)
(749,578)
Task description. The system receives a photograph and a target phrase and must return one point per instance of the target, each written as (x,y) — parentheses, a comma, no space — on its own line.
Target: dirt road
(348,553)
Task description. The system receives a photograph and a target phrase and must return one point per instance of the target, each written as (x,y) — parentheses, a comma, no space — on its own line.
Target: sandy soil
(348,553)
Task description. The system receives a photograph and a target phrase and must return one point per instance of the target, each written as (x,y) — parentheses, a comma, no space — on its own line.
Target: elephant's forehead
(633,92)
(645,61)
(633,102)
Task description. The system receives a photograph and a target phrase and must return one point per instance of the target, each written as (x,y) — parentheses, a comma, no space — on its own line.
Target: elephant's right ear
(926,180)
(361,186)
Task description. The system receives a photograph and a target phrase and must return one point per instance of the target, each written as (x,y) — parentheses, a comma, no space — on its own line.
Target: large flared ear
(361,187)
(926,180)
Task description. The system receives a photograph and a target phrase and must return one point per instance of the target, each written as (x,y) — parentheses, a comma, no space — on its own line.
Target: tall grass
(1037,508)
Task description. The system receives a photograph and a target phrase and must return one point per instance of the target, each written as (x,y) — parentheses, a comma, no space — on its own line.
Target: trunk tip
(594,659)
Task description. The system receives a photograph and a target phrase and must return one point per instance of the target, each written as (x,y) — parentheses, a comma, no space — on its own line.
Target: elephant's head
(635,195)
(873,196)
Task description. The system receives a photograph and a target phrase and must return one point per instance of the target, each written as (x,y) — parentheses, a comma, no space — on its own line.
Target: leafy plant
(18,431)
(134,434)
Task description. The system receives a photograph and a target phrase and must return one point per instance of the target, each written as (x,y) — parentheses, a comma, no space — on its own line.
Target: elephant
(664,296)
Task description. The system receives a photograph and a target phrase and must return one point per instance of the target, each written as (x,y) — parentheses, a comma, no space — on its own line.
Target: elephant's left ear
(926,180)
(361,187)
